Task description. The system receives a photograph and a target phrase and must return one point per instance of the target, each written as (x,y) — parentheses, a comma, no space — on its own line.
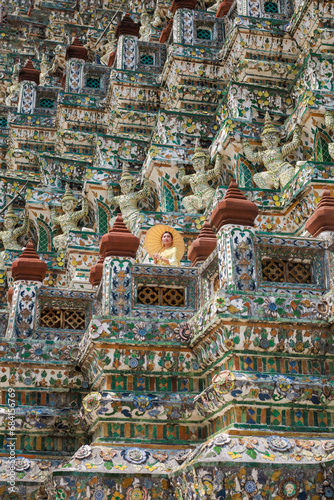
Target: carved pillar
(29,80)
(127,33)
(28,272)
(76,55)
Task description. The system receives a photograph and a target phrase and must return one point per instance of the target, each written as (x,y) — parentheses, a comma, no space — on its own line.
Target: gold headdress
(10,214)
(269,126)
(126,176)
(69,196)
(200,153)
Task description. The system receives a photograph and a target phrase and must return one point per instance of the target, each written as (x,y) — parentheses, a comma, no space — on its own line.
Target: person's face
(9,222)
(270,140)
(126,186)
(67,205)
(167,240)
(199,163)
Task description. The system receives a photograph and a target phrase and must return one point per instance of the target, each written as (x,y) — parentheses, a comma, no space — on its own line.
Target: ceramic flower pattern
(135,455)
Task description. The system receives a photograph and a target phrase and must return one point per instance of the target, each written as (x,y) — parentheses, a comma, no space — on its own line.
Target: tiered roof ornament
(76,50)
(203,246)
(29,266)
(183,4)
(234,208)
(119,242)
(323,217)
(29,73)
(127,26)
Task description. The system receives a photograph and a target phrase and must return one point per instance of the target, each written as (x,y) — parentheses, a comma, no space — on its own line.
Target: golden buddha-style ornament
(279,172)
(203,193)
(128,200)
(69,221)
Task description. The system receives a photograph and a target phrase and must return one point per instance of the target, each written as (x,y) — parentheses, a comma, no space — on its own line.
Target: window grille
(3,121)
(103,221)
(168,200)
(147,59)
(46,103)
(63,318)
(203,34)
(280,271)
(322,153)
(93,83)
(245,176)
(271,7)
(161,296)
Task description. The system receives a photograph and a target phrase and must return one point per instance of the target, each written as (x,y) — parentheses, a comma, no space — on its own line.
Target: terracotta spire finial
(166,32)
(234,209)
(127,26)
(224,7)
(182,4)
(96,272)
(29,73)
(119,242)
(76,50)
(323,216)
(29,266)
(204,244)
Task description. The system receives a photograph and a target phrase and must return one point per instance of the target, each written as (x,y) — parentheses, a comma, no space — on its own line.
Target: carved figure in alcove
(279,172)
(14,88)
(161,14)
(110,46)
(128,200)
(70,219)
(11,233)
(45,67)
(146,27)
(202,191)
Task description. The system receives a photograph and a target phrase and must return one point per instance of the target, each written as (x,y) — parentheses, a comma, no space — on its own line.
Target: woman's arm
(173,259)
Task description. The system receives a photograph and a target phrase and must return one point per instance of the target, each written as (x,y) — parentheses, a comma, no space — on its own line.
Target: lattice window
(245,176)
(3,121)
(203,34)
(169,205)
(93,83)
(103,221)
(322,153)
(43,239)
(63,318)
(47,103)
(280,271)
(147,59)
(161,296)
(271,7)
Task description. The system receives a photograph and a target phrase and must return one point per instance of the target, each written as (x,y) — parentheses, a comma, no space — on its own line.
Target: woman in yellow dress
(165,245)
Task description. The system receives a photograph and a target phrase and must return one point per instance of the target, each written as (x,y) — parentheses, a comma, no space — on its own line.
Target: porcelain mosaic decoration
(125,380)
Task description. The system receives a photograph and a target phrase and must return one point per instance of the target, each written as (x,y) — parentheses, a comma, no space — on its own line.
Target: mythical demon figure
(279,172)
(199,181)
(69,220)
